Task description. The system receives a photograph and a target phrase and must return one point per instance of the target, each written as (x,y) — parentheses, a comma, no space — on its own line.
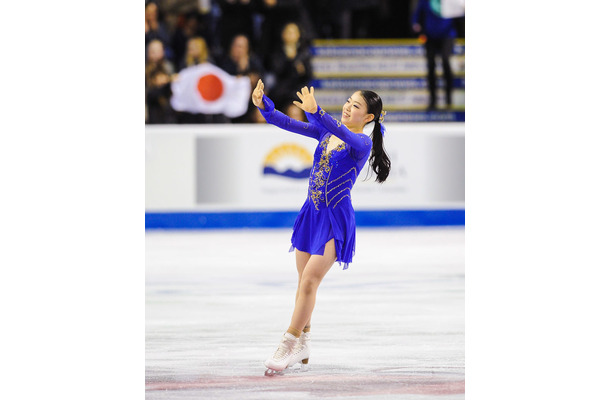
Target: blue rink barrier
(285,219)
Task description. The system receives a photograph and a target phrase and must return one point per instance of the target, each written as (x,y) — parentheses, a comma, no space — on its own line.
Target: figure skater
(325,228)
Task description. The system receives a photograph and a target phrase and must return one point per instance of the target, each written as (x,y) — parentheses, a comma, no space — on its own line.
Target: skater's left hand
(308,102)
(257,94)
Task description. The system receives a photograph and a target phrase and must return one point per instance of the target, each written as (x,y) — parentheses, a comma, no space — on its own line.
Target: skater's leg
(293,348)
(301,258)
(316,268)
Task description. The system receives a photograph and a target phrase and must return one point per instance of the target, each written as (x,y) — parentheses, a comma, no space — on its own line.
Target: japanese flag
(207,89)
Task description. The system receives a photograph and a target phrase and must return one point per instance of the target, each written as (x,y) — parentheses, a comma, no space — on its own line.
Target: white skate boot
(301,352)
(283,355)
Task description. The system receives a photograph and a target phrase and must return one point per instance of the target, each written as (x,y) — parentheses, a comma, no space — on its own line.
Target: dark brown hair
(379,160)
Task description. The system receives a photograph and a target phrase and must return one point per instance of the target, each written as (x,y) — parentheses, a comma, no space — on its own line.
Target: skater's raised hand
(308,102)
(257,95)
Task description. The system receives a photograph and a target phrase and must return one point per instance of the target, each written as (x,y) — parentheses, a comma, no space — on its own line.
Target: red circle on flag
(210,87)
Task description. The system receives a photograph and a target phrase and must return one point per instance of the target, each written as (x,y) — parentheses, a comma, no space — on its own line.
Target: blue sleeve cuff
(317,114)
(269,105)
(310,116)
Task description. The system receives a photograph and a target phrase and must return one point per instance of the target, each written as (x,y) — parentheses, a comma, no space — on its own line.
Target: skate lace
(282,351)
(298,347)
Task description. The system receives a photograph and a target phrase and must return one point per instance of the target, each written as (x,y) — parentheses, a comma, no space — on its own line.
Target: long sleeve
(281,120)
(359,142)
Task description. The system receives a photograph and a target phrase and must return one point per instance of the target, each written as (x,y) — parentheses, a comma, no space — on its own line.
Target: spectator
(193,24)
(158,72)
(290,65)
(256,117)
(295,112)
(155,58)
(158,94)
(276,14)
(241,61)
(187,27)
(155,29)
(439,34)
(196,53)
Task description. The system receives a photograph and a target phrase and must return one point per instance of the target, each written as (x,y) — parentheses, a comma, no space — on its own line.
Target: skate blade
(304,366)
(273,372)
(296,369)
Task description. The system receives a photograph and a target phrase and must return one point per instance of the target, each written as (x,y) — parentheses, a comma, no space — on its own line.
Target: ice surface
(389,327)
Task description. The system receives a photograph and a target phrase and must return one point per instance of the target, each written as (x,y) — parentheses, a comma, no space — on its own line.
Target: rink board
(286,219)
(257,176)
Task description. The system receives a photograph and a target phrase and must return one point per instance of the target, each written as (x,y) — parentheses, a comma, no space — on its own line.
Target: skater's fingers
(300,95)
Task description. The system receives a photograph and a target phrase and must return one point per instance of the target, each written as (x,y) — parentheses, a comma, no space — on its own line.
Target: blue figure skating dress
(327,212)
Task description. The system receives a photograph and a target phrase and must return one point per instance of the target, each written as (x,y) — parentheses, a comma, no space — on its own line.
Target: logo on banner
(289,160)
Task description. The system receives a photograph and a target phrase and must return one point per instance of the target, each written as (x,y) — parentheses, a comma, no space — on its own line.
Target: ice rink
(389,327)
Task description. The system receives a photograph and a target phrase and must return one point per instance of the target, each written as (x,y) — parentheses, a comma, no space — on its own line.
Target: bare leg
(302,258)
(314,271)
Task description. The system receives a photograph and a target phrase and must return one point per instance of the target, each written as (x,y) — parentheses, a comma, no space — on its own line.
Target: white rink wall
(221,167)
(209,175)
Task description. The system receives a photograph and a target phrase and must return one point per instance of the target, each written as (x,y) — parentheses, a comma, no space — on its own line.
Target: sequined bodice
(333,175)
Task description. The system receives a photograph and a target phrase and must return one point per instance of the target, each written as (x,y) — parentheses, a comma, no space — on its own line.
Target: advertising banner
(262,168)
(345,67)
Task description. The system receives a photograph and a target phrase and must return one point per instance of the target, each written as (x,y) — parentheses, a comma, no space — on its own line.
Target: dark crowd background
(268,39)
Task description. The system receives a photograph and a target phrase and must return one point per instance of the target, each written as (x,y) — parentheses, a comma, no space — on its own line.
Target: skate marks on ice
(311,385)
(218,302)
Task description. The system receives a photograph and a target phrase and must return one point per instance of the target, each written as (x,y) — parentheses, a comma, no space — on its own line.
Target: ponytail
(379,160)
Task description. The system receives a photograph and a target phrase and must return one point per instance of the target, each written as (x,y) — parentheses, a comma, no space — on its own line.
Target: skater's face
(355,112)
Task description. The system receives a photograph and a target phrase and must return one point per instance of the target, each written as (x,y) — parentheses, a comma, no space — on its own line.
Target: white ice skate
(301,351)
(282,357)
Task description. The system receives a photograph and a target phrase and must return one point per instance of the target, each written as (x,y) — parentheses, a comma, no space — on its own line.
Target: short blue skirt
(314,228)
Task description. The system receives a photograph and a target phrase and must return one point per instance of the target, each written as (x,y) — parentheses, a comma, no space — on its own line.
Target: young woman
(290,63)
(325,229)
(196,53)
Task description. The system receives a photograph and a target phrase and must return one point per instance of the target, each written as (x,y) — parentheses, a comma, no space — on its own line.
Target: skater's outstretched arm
(359,142)
(281,120)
